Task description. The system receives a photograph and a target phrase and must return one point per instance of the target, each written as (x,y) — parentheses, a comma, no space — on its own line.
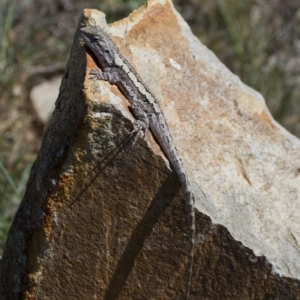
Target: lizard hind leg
(142,121)
(139,130)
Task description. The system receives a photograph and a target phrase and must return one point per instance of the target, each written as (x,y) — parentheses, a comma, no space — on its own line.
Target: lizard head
(100,44)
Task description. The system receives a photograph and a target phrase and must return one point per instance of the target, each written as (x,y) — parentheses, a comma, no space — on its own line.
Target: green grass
(12,188)
(6,51)
(12,179)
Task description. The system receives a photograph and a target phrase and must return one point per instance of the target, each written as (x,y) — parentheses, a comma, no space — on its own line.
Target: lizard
(147,112)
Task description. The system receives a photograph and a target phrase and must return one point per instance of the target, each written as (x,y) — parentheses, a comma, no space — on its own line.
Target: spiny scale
(147,111)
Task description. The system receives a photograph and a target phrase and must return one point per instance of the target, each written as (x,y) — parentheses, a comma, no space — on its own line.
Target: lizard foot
(96,74)
(139,131)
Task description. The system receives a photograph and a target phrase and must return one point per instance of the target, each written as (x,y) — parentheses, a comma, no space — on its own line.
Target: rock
(104,219)
(43,97)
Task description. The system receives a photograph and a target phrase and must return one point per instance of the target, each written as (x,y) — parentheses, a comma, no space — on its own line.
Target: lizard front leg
(110,74)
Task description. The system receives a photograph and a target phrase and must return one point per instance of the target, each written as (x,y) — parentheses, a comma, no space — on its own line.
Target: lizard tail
(191,220)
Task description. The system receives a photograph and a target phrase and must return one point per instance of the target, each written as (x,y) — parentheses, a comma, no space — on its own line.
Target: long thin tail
(191,223)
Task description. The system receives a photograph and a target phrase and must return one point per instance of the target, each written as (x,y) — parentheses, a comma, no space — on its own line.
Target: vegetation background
(258,40)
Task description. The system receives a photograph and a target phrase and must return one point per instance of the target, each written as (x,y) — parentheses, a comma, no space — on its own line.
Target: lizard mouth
(85,34)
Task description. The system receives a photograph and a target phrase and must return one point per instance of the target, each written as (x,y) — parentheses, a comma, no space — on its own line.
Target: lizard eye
(97,38)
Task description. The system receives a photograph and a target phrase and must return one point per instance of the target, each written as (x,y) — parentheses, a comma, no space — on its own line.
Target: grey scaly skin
(147,111)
